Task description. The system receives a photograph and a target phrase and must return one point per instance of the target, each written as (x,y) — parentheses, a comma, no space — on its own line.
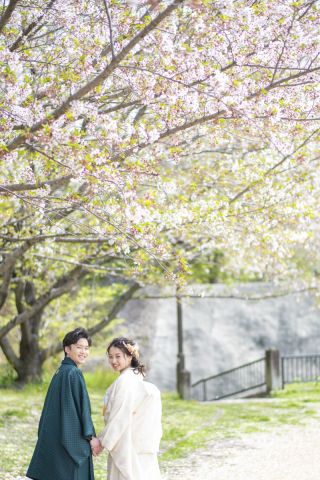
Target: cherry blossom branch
(307,9)
(32,148)
(283,80)
(271,67)
(110,28)
(23,187)
(120,106)
(15,221)
(245,190)
(153,6)
(141,112)
(207,118)
(5,17)
(59,238)
(290,155)
(281,54)
(168,133)
(49,32)
(58,216)
(132,239)
(301,119)
(98,80)
(30,27)
(71,262)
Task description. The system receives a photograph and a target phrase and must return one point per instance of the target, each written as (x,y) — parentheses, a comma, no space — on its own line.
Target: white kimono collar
(128,370)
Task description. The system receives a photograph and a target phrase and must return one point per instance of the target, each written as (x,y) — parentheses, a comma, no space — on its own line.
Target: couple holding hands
(132,417)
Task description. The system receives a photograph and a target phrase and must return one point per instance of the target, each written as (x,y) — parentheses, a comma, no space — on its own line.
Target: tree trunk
(29,367)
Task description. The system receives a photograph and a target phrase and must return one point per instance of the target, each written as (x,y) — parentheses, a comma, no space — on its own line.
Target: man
(66,430)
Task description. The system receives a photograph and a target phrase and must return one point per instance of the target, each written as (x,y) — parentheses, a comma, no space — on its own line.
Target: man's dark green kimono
(63,450)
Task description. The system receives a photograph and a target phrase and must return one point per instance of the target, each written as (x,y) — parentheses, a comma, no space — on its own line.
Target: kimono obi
(132,414)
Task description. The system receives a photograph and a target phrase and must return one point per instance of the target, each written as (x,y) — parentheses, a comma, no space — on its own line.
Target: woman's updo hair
(121,343)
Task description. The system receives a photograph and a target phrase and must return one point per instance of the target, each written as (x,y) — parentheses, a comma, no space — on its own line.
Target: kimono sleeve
(120,416)
(76,424)
(84,407)
(45,408)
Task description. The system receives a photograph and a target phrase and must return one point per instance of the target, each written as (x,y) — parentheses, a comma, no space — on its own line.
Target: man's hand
(96,447)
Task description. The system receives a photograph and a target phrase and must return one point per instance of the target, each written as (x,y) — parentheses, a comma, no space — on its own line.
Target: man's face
(79,351)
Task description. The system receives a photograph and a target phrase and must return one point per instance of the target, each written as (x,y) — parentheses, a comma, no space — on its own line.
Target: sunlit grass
(306,392)
(20,412)
(293,408)
(100,380)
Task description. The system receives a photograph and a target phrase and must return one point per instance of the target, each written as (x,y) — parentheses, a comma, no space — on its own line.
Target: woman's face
(119,360)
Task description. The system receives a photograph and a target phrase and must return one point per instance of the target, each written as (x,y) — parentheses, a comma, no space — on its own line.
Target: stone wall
(219,334)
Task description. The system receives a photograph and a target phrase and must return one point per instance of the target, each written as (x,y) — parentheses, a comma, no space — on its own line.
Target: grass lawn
(20,412)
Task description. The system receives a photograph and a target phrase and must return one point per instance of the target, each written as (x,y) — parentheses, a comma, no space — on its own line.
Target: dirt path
(289,453)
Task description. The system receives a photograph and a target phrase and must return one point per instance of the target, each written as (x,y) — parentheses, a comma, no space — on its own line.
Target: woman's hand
(96,447)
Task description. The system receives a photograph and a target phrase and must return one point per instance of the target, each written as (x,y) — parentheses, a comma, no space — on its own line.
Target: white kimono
(132,429)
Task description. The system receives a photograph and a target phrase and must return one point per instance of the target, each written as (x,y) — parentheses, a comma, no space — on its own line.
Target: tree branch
(169,132)
(235,297)
(245,190)
(23,187)
(110,28)
(282,51)
(307,9)
(19,292)
(4,290)
(32,149)
(58,238)
(119,107)
(71,262)
(9,353)
(115,309)
(29,28)
(140,114)
(21,307)
(59,288)
(43,237)
(18,252)
(207,118)
(283,80)
(7,14)
(54,349)
(80,240)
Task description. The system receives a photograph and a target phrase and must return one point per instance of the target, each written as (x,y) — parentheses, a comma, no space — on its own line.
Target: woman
(132,416)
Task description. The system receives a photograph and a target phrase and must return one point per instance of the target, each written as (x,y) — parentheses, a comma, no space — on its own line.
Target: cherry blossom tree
(151,133)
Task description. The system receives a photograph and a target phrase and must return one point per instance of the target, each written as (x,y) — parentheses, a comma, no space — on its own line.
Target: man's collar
(68,361)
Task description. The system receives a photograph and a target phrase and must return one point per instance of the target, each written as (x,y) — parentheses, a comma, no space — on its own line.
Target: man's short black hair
(72,338)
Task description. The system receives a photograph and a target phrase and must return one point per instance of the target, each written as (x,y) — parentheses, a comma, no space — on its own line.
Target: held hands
(96,447)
